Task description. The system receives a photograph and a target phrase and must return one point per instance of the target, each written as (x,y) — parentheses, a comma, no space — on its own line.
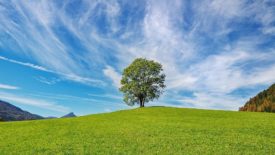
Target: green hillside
(154,130)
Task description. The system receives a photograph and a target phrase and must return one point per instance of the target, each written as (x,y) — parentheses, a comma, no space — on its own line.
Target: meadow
(151,130)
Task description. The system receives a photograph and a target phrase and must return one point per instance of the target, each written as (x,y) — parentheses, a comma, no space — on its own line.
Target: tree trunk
(140,103)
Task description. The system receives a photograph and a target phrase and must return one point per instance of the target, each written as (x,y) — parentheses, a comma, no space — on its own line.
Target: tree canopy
(142,81)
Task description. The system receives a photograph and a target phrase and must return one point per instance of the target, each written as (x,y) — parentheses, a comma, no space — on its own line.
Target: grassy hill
(154,130)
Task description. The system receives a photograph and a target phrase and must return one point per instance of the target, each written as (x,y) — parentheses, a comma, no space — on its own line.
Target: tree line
(263,102)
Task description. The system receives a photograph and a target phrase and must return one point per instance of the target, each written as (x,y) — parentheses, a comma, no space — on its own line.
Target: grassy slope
(154,130)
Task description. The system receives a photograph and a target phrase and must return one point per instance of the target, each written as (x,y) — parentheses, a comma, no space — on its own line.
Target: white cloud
(263,13)
(214,101)
(72,77)
(34,102)
(269,30)
(48,81)
(26,64)
(4,86)
(230,9)
(226,72)
(113,75)
(96,100)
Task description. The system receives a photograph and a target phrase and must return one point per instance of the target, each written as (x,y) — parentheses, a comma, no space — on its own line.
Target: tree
(142,81)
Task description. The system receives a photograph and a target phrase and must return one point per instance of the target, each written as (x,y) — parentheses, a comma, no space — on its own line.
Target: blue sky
(63,56)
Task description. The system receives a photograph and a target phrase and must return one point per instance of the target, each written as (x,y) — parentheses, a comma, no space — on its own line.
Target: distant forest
(263,102)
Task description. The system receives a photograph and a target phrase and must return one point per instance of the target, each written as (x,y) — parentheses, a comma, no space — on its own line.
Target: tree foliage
(263,102)
(142,81)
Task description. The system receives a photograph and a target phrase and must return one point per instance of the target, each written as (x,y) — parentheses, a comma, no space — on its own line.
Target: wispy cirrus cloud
(111,101)
(40,103)
(47,81)
(113,75)
(26,64)
(5,86)
(72,77)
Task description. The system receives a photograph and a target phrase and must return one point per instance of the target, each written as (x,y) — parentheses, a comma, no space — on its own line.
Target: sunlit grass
(155,130)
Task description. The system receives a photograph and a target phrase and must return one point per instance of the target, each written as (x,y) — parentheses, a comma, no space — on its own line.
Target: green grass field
(154,130)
